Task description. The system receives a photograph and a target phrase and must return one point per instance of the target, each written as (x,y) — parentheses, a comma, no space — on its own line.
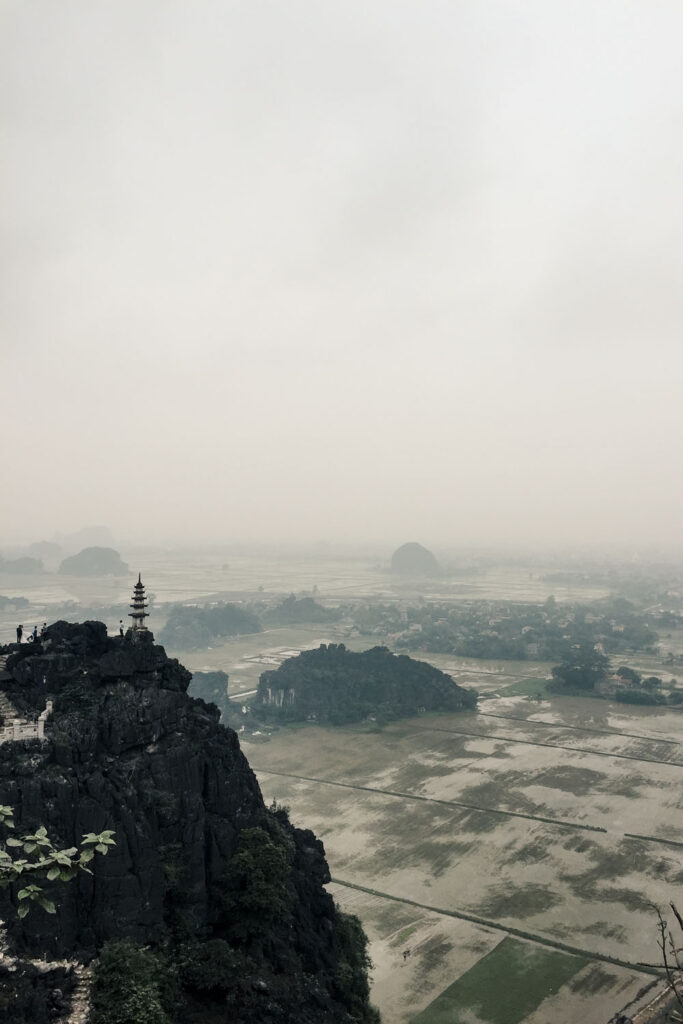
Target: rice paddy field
(505,863)
(521,835)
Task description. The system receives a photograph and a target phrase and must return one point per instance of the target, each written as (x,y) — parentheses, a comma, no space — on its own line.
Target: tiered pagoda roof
(138,604)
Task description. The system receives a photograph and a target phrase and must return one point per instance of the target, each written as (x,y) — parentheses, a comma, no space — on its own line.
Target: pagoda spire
(138,604)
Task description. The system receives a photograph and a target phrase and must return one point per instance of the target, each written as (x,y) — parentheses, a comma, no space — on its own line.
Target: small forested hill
(294,610)
(94,562)
(188,627)
(336,685)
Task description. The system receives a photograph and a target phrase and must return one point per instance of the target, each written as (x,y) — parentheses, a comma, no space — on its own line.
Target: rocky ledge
(202,870)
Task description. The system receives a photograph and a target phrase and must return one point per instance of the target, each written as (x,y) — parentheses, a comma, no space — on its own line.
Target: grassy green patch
(526,688)
(503,987)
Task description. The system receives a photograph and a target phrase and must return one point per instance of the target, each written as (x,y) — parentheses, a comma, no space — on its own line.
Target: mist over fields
(291,273)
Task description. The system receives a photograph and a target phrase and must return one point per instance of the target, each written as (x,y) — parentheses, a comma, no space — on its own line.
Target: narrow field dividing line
(517,932)
(579,728)
(539,743)
(433,800)
(654,839)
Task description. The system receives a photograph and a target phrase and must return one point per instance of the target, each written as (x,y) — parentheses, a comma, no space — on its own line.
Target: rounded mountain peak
(412,559)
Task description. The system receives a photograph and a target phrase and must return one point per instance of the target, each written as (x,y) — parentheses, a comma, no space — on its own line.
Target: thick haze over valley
(358,272)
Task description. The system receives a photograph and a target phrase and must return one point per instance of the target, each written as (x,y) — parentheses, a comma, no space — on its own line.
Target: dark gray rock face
(94,562)
(127,749)
(333,684)
(413,560)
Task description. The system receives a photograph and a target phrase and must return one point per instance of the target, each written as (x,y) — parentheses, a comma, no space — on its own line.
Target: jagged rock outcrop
(413,559)
(127,749)
(334,684)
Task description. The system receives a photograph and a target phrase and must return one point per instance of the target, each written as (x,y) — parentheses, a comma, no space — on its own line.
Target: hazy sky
(357,271)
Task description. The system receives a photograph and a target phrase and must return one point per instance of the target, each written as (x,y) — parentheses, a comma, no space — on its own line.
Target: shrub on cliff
(257,891)
(352,974)
(128,985)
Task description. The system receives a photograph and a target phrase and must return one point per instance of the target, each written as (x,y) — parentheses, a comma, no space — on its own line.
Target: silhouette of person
(120,627)
(20,633)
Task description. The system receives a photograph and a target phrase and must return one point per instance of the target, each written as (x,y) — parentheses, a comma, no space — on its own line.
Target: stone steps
(80,999)
(7,709)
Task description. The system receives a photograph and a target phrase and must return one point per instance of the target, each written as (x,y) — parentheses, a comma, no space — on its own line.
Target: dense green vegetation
(186,980)
(582,667)
(190,626)
(337,685)
(292,611)
(132,986)
(511,630)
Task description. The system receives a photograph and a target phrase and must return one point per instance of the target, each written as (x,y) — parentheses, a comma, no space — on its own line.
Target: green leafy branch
(36,858)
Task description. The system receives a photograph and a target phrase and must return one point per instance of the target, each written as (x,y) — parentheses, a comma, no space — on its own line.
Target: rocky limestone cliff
(127,749)
(334,684)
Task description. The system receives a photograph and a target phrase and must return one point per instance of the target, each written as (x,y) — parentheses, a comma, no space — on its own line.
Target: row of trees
(191,626)
(584,668)
(514,631)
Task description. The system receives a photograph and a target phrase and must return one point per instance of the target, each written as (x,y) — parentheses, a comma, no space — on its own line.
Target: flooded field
(519,820)
(504,862)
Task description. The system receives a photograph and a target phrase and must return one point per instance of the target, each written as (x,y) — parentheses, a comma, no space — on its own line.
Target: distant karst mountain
(46,549)
(94,562)
(211,907)
(86,537)
(293,610)
(413,559)
(23,566)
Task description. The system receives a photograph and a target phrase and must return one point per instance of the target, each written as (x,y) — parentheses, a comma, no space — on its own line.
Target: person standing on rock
(120,627)
(35,634)
(20,633)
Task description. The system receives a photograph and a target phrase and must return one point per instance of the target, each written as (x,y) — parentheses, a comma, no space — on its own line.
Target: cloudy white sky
(350,271)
